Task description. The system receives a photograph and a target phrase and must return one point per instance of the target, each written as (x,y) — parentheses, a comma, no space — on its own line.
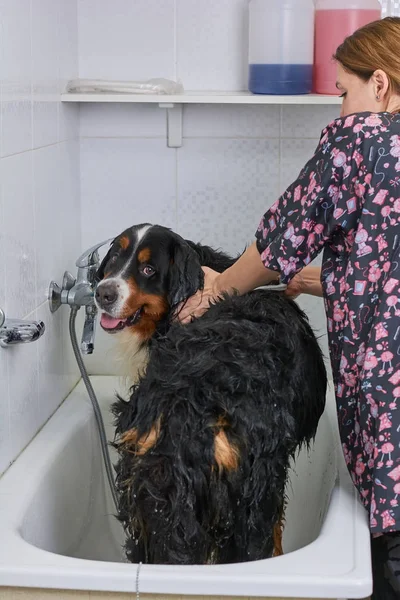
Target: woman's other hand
(307,281)
(197,304)
(295,286)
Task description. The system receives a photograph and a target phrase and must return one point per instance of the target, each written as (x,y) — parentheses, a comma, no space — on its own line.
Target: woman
(346,202)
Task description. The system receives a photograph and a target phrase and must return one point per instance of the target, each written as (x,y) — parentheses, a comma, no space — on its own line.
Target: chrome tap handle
(91,256)
(89,329)
(19,331)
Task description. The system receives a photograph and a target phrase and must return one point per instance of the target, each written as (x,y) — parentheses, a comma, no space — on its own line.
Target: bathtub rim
(343,556)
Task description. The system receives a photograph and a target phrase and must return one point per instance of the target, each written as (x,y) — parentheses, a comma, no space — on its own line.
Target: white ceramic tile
(2,242)
(45,57)
(52,382)
(212,44)
(307,121)
(294,155)
(231,121)
(18,235)
(126,40)
(5,449)
(122,120)
(16,79)
(22,365)
(68,114)
(125,182)
(49,223)
(224,187)
(69,206)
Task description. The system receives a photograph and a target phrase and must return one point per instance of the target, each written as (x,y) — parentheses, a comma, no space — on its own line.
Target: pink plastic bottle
(334,21)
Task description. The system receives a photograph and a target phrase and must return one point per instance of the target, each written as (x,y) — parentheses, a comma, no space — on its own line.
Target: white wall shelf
(202,98)
(174,104)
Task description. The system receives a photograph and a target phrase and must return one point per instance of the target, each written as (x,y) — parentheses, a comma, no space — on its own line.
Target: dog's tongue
(108,322)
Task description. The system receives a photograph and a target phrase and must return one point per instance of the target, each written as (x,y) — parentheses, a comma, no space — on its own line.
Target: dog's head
(146,273)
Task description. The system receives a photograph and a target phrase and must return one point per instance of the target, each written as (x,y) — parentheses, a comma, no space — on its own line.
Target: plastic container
(334,21)
(281,45)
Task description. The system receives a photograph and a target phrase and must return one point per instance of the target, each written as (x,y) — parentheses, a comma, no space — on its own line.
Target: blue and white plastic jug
(281,46)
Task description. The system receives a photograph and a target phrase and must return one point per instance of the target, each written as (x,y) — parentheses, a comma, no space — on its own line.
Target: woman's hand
(197,304)
(307,281)
(295,286)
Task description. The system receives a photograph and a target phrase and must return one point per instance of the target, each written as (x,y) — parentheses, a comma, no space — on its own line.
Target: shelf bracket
(174,123)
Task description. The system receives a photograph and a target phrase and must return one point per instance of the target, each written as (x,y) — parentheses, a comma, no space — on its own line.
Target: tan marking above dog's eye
(124,242)
(144,255)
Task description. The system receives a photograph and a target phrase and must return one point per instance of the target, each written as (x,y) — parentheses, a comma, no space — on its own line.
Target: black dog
(206,437)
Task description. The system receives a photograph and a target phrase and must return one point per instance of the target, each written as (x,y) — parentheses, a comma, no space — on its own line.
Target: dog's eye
(148,270)
(113,259)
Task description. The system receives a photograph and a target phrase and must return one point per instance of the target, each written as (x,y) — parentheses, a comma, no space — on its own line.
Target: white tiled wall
(39,206)
(59,194)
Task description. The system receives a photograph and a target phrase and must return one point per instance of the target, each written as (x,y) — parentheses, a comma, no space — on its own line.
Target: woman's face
(358,95)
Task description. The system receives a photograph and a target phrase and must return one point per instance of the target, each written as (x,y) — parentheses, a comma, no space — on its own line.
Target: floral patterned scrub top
(346,202)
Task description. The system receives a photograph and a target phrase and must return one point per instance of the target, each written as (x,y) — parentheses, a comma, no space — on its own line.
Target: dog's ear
(100,270)
(185,275)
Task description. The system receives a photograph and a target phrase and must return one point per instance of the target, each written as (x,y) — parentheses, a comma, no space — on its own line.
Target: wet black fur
(253,360)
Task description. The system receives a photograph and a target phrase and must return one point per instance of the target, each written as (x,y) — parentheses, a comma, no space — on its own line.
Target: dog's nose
(106,294)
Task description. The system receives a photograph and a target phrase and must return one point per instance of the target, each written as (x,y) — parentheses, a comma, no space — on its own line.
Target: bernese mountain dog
(206,437)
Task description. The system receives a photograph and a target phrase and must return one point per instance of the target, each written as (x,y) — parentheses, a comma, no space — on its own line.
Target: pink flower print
(361,239)
(387,520)
(390,285)
(289,233)
(395,474)
(357,127)
(360,355)
(396,490)
(346,171)
(387,449)
(358,158)
(339,157)
(373,121)
(374,407)
(338,314)
(386,359)
(396,393)
(349,121)
(391,301)
(330,288)
(385,212)
(380,197)
(312,183)
(396,206)
(297,193)
(380,331)
(395,378)
(333,192)
(374,272)
(395,146)
(382,243)
(386,423)
(359,189)
(360,466)
(370,361)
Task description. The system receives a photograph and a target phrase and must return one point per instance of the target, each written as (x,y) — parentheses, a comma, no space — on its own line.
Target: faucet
(18,331)
(80,292)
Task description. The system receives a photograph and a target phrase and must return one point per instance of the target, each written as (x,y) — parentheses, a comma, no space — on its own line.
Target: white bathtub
(57,528)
